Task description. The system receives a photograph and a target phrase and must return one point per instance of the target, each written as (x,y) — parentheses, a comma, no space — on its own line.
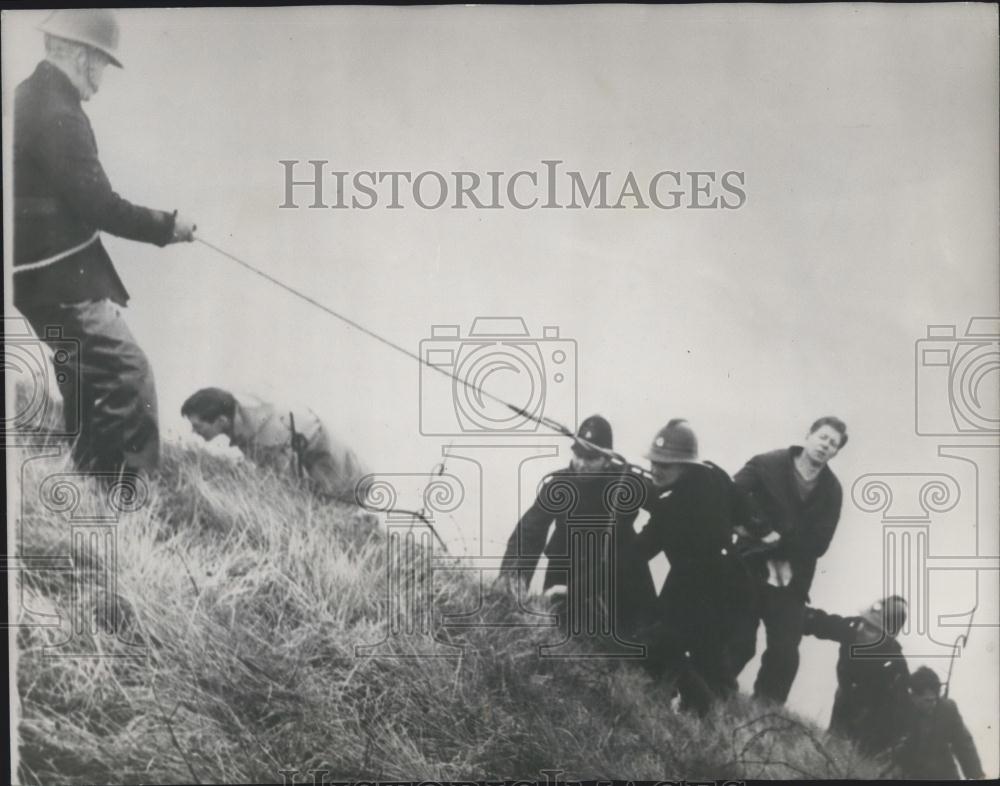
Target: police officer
(937,735)
(64,280)
(872,703)
(585,492)
(693,508)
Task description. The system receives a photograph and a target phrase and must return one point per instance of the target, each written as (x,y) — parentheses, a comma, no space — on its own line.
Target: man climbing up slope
(282,440)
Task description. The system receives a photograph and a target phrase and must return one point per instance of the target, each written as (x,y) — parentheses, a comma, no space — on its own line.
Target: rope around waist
(56,257)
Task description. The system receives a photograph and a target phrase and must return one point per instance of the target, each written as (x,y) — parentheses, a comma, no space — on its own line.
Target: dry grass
(248,599)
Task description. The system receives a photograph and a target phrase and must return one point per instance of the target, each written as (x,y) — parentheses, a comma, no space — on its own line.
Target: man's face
(208,429)
(823,444)
(925,701)
(666,475)
(91,64)
(587,464)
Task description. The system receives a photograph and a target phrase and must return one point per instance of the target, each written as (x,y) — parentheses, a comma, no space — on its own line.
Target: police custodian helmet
(595,430)
(675,443)
(93,27)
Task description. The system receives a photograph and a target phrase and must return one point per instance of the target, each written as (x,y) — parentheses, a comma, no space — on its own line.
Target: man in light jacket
(295,443)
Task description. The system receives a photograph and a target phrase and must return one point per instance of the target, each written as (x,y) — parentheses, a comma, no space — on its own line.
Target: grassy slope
(251,598)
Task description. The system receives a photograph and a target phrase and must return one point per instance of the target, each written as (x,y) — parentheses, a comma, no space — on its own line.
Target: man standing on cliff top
(64,281)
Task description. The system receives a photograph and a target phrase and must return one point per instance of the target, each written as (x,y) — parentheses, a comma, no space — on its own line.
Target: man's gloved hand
(183,229)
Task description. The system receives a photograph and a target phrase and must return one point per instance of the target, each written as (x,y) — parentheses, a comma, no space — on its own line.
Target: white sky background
(868,135)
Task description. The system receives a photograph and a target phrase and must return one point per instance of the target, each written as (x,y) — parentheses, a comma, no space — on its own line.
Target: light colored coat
(263,433)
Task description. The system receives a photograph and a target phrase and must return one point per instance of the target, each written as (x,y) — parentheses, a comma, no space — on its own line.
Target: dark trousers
(109,396)
(690,643)
(696,664)
(783,614)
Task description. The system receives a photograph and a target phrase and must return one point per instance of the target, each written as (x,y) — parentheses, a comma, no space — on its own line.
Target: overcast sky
(867,139)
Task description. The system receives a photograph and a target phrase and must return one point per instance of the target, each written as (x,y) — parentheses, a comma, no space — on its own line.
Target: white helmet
(93,27)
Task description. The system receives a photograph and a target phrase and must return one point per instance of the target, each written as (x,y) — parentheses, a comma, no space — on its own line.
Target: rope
(56,257)
(616,458)
(352,323)
(961,641)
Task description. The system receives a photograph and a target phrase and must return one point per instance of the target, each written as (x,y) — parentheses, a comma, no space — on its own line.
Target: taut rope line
(540,419)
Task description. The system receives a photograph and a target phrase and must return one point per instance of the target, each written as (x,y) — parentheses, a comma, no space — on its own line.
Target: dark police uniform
(707,592)
(935,741)
(872,702)
(567,498)
(65,280)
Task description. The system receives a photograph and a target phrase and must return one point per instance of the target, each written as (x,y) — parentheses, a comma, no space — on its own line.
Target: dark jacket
(806,527)
(692,524)
(872,705)
(935,741)
(62,200)
(566,498)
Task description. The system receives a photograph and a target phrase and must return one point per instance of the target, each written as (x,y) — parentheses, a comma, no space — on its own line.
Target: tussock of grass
(249,597)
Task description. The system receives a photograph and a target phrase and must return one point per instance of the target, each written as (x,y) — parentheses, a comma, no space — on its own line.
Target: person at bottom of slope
(582,494)
(937,735)
(693,508)
(872,700)
(279,439)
